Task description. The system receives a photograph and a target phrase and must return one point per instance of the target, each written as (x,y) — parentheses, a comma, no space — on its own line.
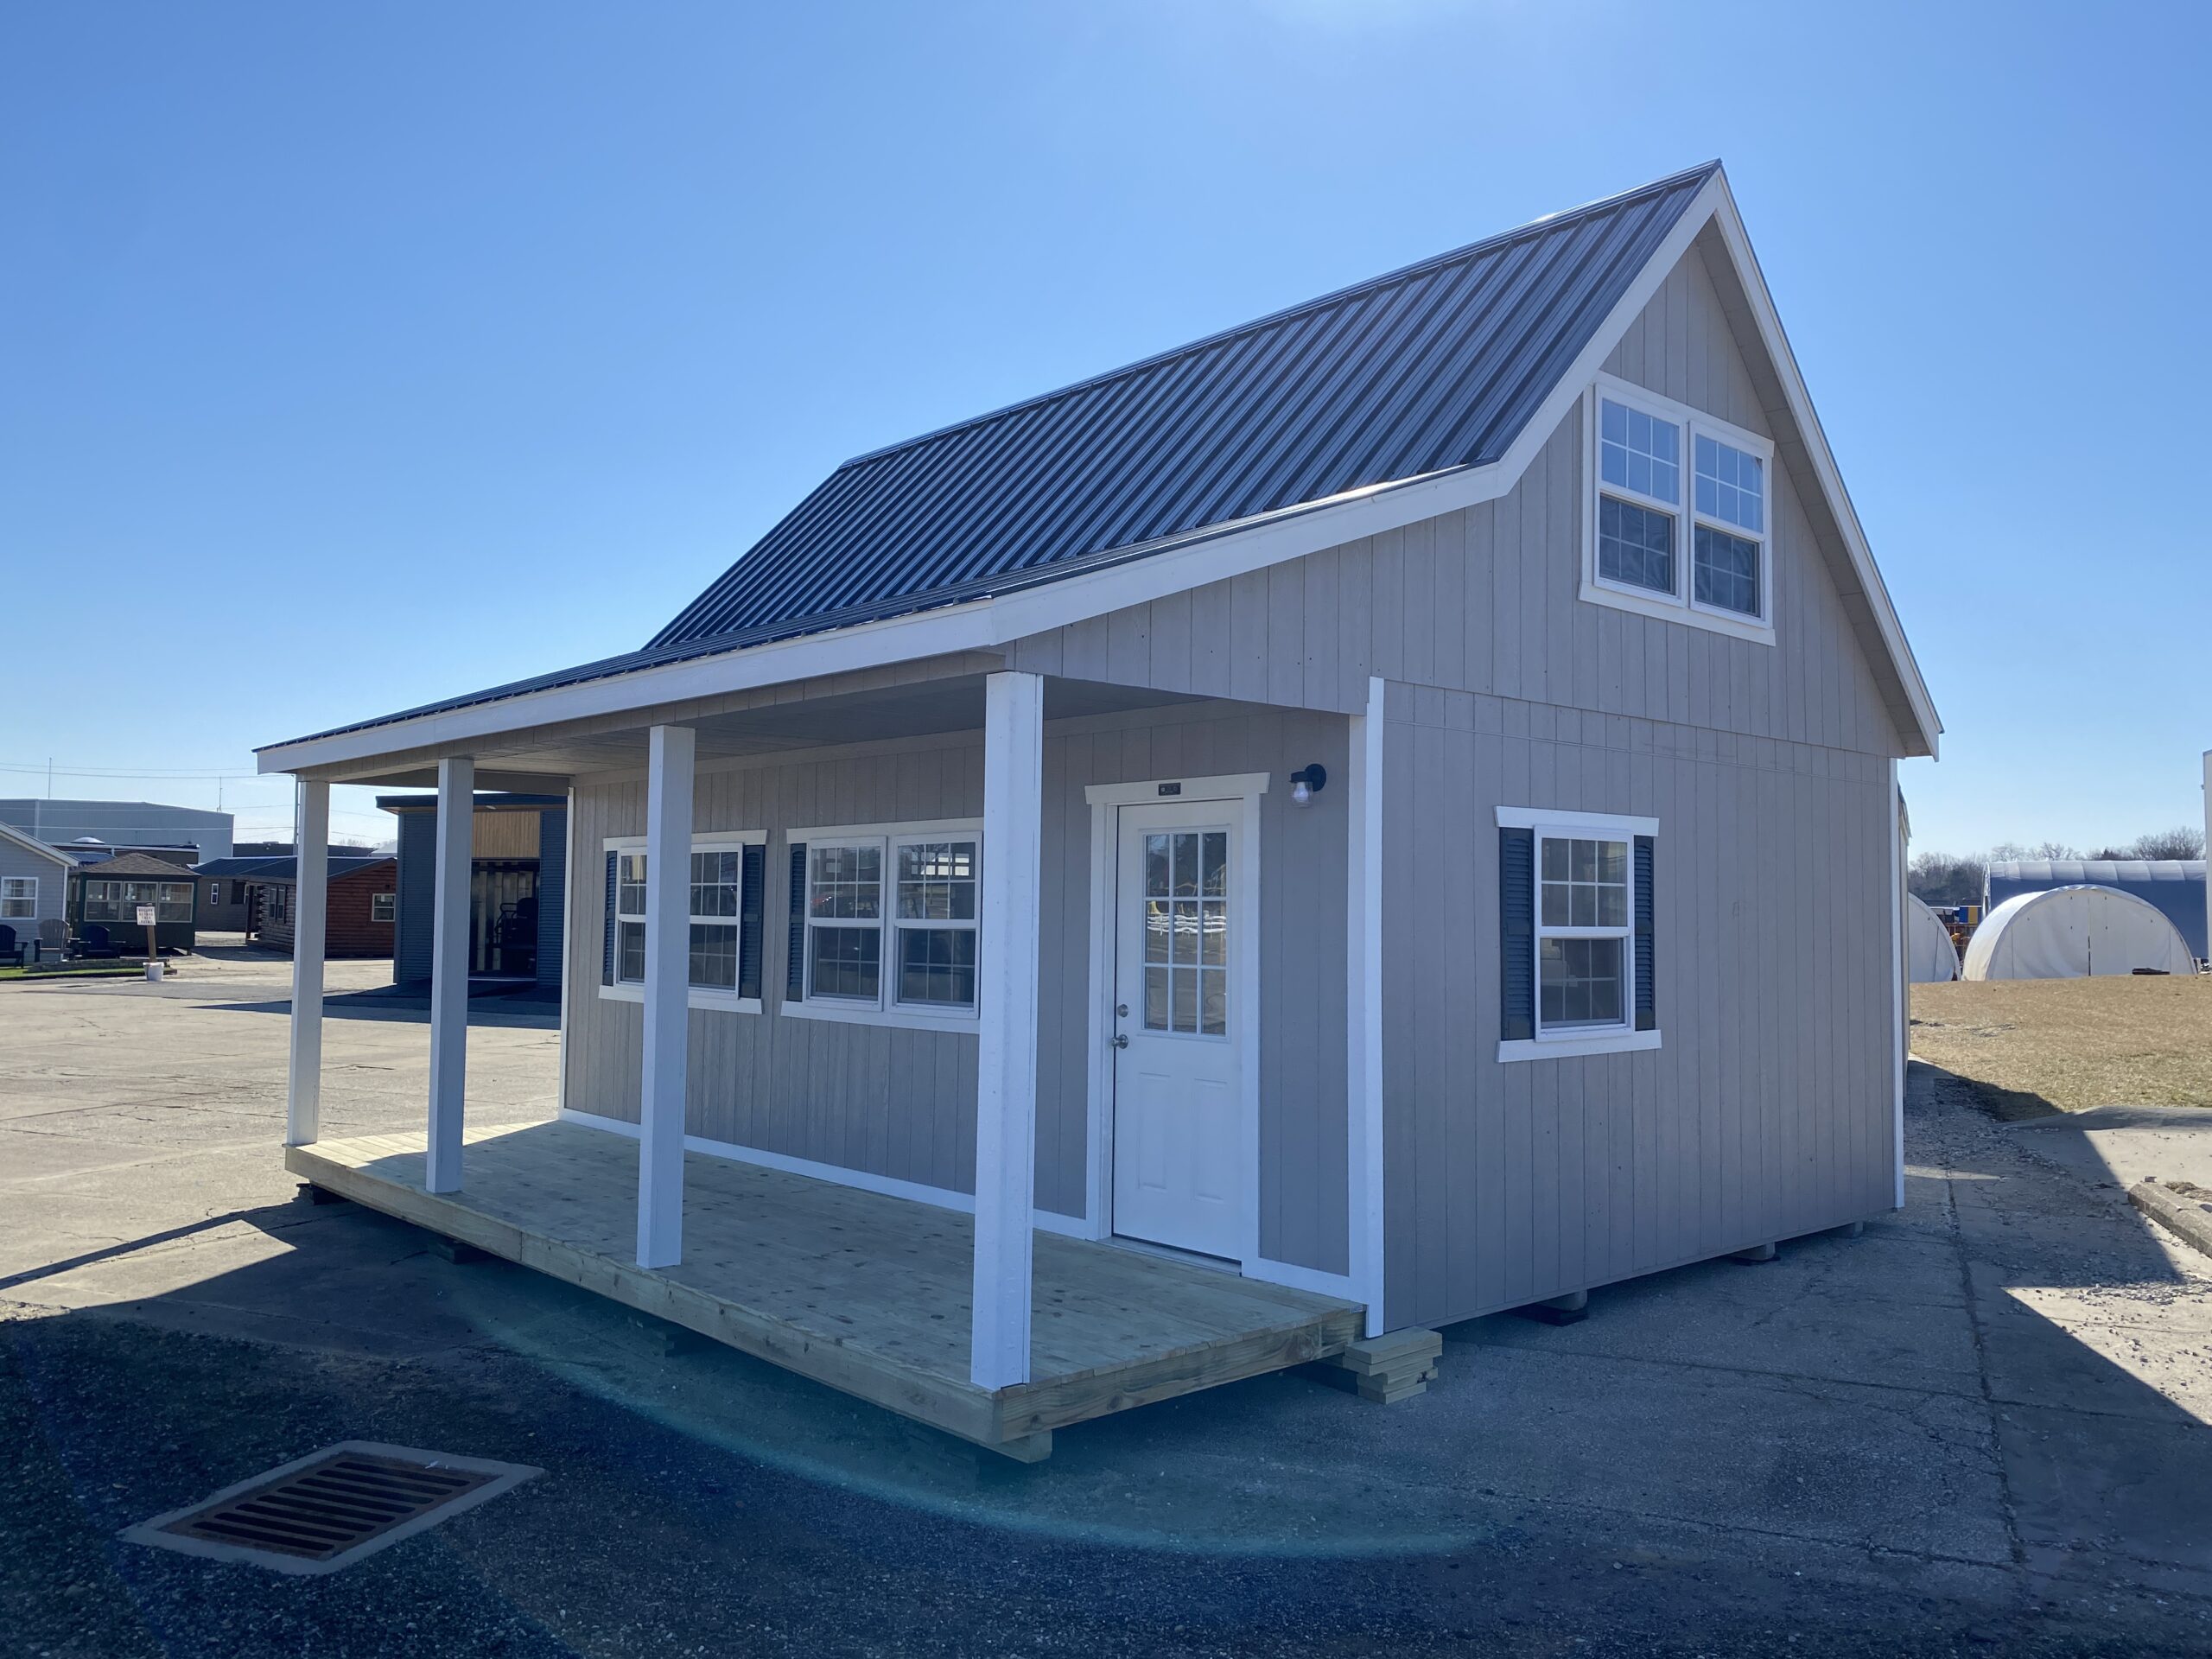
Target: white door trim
(1106,801)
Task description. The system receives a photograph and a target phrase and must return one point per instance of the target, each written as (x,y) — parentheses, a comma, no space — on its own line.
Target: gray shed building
(518,885)
(34,885)
(1244,854)
(124,826)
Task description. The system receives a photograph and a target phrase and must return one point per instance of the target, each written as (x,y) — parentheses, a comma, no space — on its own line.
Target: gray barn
(1280,813)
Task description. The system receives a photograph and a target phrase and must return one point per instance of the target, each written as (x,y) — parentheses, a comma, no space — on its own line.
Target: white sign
(145,915)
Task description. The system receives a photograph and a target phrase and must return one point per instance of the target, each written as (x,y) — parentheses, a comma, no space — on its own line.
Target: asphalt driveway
(1980,1427)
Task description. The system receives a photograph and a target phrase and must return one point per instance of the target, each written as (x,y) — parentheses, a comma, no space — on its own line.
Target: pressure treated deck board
(866,1293)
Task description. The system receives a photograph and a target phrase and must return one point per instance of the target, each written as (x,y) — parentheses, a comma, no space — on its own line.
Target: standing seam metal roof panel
(1436,367)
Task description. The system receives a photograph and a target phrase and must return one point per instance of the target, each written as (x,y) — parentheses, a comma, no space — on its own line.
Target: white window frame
(1576,1040)
(1680,605)
(699,996)
(389,904)
(886,1009)
(18,890)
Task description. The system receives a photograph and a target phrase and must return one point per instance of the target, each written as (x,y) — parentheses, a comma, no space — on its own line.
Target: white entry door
(1179,1000)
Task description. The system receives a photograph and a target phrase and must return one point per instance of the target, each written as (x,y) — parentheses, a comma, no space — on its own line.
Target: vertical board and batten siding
(901,1103)
(1765,1113)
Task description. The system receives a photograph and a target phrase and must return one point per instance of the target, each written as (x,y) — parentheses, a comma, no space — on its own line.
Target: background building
(122,825)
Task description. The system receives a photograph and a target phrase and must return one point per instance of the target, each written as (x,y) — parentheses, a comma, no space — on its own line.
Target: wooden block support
(1755,1254)
(315,1194)
(1850,1229)
(1570,1309)
(457,1251)
(1385,1369)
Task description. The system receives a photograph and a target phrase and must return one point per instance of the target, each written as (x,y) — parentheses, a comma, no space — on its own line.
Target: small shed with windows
(1248,854)
(109,893)
(362,904)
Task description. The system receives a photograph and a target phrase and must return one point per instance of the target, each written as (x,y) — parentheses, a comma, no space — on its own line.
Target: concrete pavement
(1981,1426)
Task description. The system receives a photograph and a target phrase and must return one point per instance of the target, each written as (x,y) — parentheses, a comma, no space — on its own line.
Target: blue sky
(354,356)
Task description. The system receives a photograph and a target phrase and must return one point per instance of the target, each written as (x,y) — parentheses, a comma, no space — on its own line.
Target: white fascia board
(1822,460)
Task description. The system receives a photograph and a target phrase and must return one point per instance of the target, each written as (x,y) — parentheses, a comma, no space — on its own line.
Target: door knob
(1120,1039)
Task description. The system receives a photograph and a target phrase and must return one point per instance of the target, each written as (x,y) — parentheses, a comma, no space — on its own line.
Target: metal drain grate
(330,1509)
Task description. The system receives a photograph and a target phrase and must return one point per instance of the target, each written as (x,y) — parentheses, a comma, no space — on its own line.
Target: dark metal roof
(1438,366)
(287,869)
(1435,367)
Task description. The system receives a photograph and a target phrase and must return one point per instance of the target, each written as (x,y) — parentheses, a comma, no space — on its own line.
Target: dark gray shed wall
(418,876)
(552,893)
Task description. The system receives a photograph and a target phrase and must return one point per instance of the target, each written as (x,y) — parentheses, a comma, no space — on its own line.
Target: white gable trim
(31,844)
(1215,554)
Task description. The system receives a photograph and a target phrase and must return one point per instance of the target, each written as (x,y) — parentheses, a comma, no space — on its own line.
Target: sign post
(146,914)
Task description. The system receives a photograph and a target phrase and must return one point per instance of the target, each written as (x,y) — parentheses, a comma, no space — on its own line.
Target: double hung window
(1679,513)
(18,898)
(885,923)
(1576,915)
(724,917)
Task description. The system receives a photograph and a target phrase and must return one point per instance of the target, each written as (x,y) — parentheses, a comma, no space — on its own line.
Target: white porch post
(668,994)
(449,971)
(311,846)
(1005,1069)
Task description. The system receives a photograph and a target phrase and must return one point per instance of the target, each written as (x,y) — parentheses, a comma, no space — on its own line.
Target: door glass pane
(1157,921)
(1186,864)
(1187,932)
(1186,999)
(1216,864)
(1213,944)
(1213,1001)
(1155,999)
(1156,875)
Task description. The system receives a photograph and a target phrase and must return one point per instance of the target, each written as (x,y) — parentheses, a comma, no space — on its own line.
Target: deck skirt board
(861,1291)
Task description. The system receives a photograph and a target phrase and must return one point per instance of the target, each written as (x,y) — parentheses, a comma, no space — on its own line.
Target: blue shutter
(1647,1006)
(751,906)
(795,958)
(1517,934)
(606,946)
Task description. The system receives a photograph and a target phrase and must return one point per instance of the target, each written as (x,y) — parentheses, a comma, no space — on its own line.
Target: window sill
(848,1014)
(725,1001)
(1644,603)
(1560,1048)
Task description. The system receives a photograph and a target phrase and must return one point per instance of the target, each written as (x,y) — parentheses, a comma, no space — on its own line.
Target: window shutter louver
(607,943)
(795,958)
(752,906)
(1517,934)
(1647,1006)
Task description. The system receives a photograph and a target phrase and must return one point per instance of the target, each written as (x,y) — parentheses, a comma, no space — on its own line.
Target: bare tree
(2181,842)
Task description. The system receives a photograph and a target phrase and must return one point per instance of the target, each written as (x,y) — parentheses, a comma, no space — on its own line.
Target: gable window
(1677,514)
(382,906)
(18,898)
(1576,907)
(727,894)
(884,925)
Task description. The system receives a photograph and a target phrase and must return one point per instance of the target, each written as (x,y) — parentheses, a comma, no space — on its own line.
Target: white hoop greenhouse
(1930,958)
(2074,932)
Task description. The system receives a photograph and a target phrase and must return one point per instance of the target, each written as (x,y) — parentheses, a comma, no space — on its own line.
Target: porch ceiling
(535,758)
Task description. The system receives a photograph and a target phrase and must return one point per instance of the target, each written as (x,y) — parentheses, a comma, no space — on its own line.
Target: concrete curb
(2187,1215)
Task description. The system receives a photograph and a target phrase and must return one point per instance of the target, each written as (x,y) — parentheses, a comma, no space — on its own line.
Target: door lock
(1120,1039)
(1121,1010)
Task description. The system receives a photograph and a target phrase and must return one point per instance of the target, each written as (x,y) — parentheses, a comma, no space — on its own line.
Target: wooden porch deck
(867,1293)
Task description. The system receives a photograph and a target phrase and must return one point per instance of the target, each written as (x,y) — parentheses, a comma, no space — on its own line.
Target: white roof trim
(31,844)
(1215,554)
